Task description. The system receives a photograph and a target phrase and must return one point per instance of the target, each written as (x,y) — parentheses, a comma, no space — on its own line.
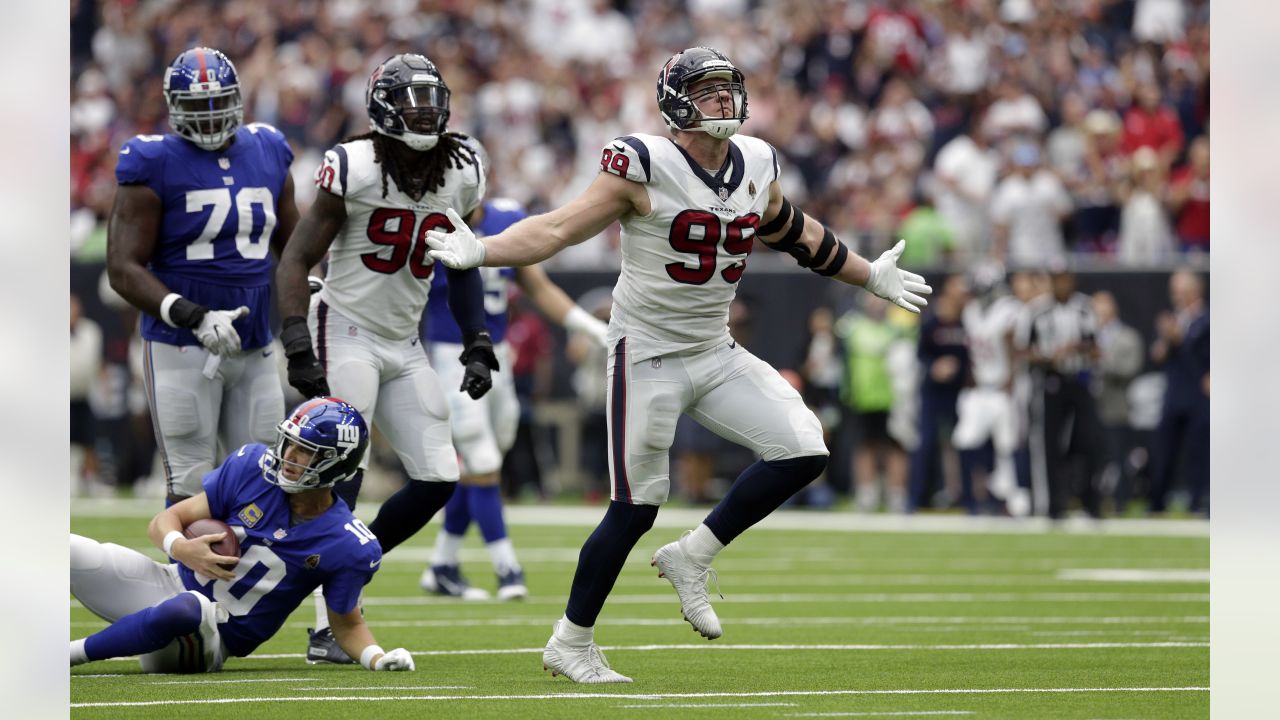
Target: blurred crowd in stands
(1025,128)
(1029,132)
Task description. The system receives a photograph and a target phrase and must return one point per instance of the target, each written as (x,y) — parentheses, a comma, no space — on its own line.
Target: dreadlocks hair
(450,151)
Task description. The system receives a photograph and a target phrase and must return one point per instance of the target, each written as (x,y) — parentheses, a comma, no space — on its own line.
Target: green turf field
(821,623)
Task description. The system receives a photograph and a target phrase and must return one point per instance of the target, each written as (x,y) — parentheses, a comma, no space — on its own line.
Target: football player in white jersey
(691,207)
(986,410)
(379,194)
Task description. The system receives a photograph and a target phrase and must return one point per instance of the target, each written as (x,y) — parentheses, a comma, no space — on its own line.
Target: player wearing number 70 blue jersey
(295,535)
(197,214)
(691,207)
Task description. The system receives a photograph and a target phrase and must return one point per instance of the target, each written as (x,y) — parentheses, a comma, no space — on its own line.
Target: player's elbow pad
(822,262)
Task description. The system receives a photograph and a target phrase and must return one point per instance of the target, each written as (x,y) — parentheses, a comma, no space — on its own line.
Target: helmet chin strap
(719,129)
(415,141)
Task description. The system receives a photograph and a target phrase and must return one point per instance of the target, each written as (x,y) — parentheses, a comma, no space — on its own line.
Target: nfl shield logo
(312,562)
(280,534)
(724,194)
(224,163)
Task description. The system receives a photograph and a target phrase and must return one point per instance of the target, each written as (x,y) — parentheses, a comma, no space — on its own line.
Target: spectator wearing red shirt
(895,38)
(1151,123)
(1188,198)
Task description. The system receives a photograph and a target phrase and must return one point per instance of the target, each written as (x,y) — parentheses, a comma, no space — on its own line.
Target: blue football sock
(146,630)
(485,504)
(602,558)
(457,516)
(758,491)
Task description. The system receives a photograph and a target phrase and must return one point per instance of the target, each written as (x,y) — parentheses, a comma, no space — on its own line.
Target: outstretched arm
(552,301)
(538,237)
(790,230)
(354,637)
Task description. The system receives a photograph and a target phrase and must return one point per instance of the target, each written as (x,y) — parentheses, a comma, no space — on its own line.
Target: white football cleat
(690,582)
(580,663)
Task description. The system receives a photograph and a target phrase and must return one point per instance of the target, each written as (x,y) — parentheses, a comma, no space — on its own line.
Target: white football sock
(503,555)
(572,634)
(448,550)
(322,610)
(78,656)
(701,545)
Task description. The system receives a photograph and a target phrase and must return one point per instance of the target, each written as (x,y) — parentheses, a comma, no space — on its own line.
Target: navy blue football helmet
(408,100)
(680,110)
(202,90)
(332,438)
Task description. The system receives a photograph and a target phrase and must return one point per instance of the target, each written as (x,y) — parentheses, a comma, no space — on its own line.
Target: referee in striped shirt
(1056,337)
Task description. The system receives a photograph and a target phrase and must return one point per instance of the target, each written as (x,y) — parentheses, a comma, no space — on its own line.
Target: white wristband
(170,538)
(165,305)
(367,655)
(579,320)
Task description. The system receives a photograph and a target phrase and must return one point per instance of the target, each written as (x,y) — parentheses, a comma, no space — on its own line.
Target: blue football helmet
(329,434)
(680,110)
(408,100)
(202,90)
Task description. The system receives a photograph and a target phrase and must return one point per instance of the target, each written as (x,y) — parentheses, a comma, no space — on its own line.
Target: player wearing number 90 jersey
(379,194)
(690,207)
(197,215)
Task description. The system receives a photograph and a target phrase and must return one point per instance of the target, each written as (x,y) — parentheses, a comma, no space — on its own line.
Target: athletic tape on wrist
(367,655)
(170,538)
(166,305)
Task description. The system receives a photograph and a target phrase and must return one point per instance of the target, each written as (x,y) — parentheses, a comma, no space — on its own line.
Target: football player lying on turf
(691,207)
(295,535)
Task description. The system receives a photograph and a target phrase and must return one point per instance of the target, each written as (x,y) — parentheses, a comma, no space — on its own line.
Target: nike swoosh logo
(375,563)
(125,151)
(267,353)
(733,344)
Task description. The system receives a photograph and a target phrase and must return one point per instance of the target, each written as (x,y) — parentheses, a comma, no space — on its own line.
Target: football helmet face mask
(680,110)
(332,438)
(408,100)
(202,90)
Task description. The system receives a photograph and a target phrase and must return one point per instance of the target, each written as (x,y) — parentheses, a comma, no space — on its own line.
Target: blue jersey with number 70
(219,210)
(280,563)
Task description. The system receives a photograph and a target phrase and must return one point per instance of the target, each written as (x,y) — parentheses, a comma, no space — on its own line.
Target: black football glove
(480,361)
(305,371)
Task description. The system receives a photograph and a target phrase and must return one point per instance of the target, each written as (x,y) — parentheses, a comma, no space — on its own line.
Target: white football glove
(460,249)
(899,287)
(580,321)
(216,333)
(398,659)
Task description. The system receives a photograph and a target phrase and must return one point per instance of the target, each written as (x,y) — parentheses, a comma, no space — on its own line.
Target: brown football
(228,546)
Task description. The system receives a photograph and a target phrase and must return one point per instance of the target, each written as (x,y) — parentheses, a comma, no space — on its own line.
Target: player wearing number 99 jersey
(690,207)
(197,214)
(294,535)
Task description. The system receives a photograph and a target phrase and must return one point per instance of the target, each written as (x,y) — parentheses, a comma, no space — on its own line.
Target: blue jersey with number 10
(280,563)
(219,210)
(499,214)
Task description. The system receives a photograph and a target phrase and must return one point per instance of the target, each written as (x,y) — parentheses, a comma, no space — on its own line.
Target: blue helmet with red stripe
(319,444)
(202,90)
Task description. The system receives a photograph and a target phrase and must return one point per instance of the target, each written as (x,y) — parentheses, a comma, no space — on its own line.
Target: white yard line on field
(1134,575)
(644,696)
(709,705)
(872,597)
(684,518)
(891,714)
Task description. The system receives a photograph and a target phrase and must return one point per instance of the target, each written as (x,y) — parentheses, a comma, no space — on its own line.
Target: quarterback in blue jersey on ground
(484,429)
(197,214)
(295,535)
